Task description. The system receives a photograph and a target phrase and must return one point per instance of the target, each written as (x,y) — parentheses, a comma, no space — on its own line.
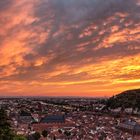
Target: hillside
(126,99)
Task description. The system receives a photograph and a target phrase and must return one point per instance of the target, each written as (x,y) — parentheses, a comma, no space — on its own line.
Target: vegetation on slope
(126,99)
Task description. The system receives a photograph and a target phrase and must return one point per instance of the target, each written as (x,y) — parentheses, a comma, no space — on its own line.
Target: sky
(69,47)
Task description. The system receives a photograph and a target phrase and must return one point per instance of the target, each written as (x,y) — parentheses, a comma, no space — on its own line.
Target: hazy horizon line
(42,96)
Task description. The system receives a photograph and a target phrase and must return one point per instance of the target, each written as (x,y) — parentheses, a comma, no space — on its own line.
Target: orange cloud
(57,49)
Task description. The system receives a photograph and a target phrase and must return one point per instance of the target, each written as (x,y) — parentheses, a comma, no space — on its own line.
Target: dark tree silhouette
(5,130)
(36,136)
(45,133)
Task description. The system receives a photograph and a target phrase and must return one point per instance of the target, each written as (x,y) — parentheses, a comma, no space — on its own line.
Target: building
(25,117)
(130,126)
(53,119)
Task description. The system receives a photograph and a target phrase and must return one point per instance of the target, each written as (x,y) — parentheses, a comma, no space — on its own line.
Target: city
(69,69)
(51,118)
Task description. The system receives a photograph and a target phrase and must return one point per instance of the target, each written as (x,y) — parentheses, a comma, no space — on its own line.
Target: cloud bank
(59,47)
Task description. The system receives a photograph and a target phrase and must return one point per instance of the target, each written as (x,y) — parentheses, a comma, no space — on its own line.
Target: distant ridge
(126,99)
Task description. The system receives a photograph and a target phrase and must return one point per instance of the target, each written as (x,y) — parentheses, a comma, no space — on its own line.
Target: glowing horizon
(69,48)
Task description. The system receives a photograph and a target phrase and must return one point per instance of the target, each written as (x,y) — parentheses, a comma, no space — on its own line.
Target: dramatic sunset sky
(69,47)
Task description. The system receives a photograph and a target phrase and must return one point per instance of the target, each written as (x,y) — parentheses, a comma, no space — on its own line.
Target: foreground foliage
(6,132)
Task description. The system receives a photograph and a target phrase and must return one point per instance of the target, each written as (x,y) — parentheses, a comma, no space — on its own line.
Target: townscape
(69,118)
(70,70)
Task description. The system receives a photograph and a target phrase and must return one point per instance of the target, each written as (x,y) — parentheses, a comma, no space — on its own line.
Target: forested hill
(126,99)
